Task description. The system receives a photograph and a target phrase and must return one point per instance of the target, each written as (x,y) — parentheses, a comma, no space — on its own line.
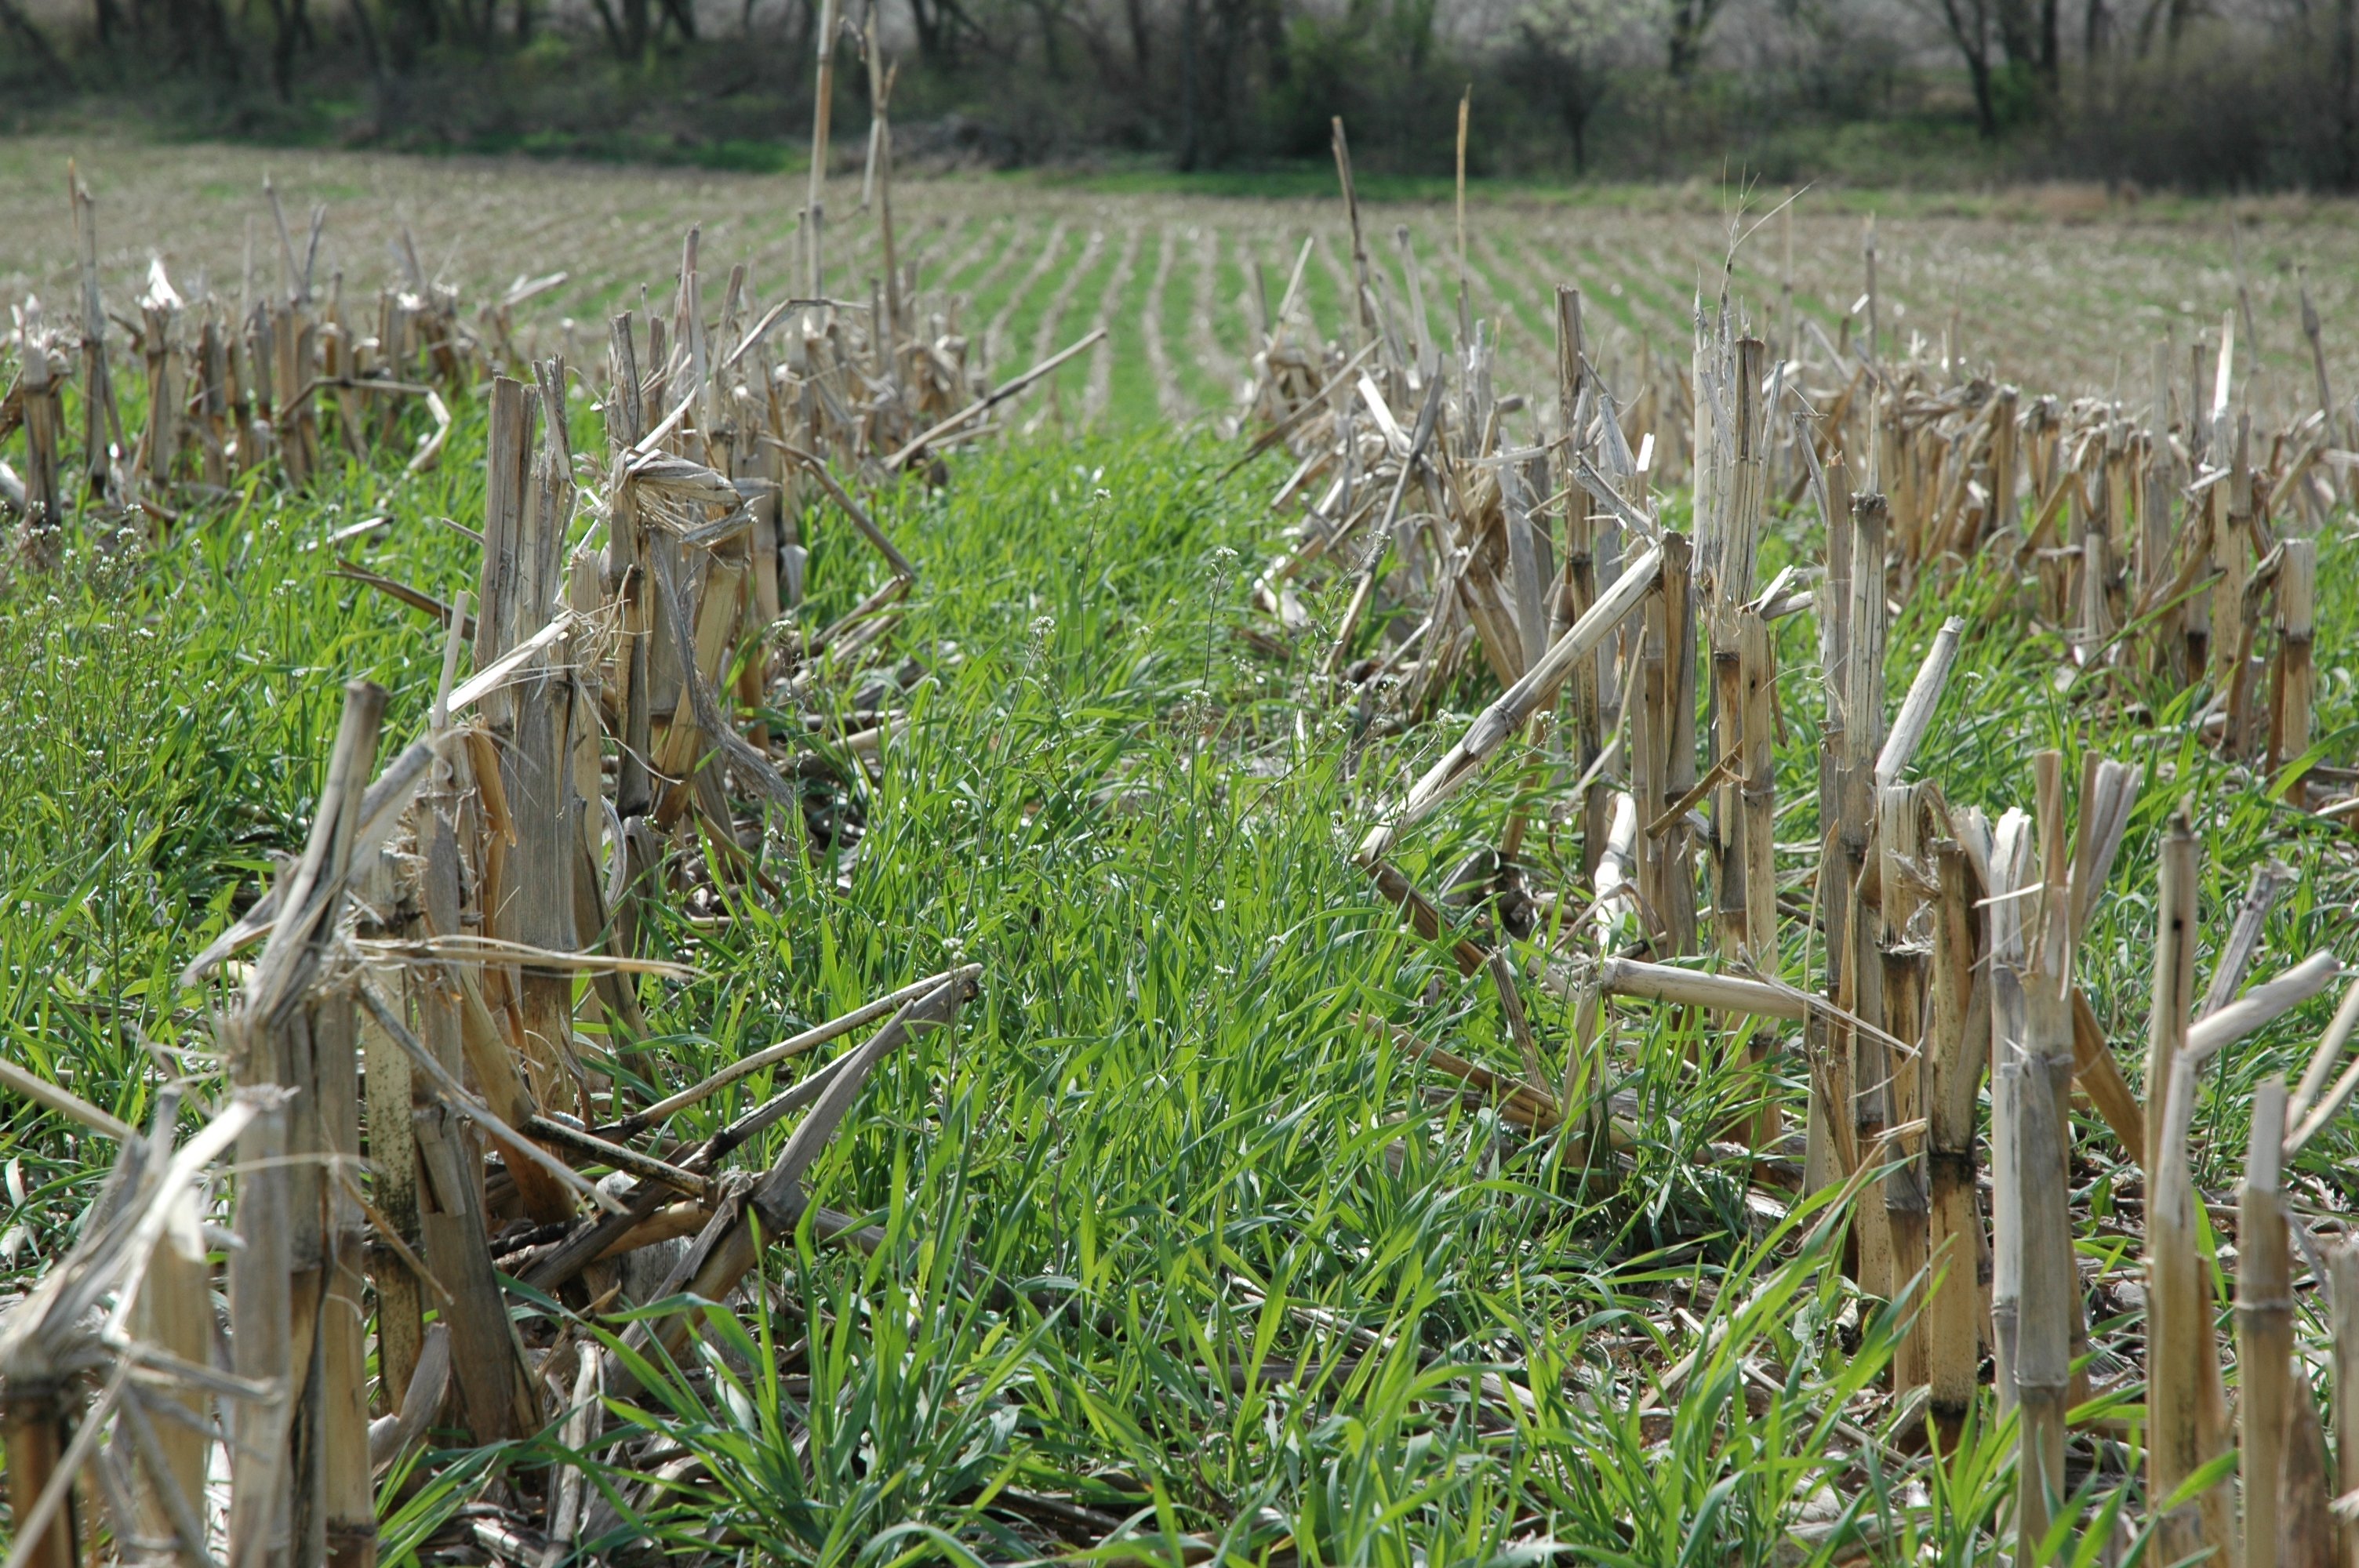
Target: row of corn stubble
(407,1110)
(2171,540)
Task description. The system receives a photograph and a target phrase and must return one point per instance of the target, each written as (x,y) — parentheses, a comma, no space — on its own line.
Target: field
(1254,1210)
(2061,290)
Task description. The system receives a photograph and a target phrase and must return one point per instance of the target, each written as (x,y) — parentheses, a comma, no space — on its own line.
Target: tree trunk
(612,27)
(1690,20)
(1969,22)
(412,25)
(33,39)
(286,26)
(1682,44)
(1135,11)
(1222,141)
(2346,88)
(364,26)
(1190,148)
(2016,33)
(210,22)
(1052,57)
(1986,110)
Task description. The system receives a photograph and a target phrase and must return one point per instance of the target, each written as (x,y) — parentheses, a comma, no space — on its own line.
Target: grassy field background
(2060,289)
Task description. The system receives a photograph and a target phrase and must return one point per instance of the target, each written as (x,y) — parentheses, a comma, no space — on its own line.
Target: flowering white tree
(1567,50)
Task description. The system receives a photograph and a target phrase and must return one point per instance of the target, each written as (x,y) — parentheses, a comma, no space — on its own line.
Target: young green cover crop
(1248,1103)
(1257,1288)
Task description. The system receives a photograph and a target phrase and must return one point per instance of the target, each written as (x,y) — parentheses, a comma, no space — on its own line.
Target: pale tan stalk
(1674,891)
(724,1252)
(2264,1324)
(2261,1005)
(2049,1298)
(2293,685)
(1858,969)
(2307,1109)
(1756,681)
(2184,1406)
(1954,1058)
(2306,1522)
(2009,1030)
(1582,702)
(2343,1307)
(1908,817)
(1495,724)
(822,117)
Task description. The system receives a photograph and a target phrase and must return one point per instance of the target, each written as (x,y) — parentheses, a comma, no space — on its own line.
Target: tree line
(2199,93)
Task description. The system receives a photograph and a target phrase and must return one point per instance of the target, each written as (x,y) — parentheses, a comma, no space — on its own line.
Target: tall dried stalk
(1757,792)
(282,1508)
(1953,1062)
(2306,1522)
(822,117)
(175,1313)
(2293,677)
(1857,972)
(2174,977)
(32,1439)
(1731,498)
(495,1395)
(2343,1307)
(2008,1029)
(537,772)
(1904,814)
(881,78)
(101,422)
(2050,989)
(1582,703)
(2186,1405)
(2048,1295)
(1671,723)
(1363,305)
(40,379)
(2264,1324)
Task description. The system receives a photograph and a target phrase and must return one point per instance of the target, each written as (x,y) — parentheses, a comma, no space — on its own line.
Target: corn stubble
(2161,544)
(460,910)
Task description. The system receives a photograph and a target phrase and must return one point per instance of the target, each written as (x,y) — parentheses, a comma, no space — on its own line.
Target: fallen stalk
(997,395)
